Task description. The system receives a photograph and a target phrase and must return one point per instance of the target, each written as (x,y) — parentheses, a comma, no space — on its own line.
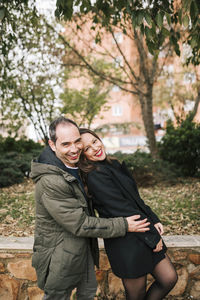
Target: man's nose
(74,148)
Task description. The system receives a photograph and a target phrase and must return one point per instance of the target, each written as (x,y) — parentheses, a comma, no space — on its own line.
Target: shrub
(181,146)
(9,144)
(146,170)
(15,159)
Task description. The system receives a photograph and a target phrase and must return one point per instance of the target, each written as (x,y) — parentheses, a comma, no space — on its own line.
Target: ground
(176,205)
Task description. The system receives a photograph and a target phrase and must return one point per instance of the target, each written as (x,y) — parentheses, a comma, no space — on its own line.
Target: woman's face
(93,148)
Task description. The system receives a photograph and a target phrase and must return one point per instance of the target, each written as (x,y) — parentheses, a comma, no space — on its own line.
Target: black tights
(165,279)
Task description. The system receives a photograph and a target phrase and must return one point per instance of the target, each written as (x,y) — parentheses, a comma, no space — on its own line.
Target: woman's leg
(165,279)
(135,288)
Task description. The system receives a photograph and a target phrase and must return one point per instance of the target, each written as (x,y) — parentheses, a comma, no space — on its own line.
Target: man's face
(68,145)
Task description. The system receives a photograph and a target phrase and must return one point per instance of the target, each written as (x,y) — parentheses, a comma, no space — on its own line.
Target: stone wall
(18,279)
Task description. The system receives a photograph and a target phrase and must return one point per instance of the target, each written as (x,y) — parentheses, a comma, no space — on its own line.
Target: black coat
(115,194)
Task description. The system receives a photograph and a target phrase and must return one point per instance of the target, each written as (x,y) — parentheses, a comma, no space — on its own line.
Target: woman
(114,193)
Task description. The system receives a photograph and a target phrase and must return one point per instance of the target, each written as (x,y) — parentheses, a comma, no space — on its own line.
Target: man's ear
(52,145)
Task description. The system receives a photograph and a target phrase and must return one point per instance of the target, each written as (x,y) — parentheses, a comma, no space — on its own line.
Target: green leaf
(194,41)
(193,11)
(180,16)
(148,18)
(140,16)
(165,32)
(186,21)
(148,33)
(168,17)
(2,13)
(159,20)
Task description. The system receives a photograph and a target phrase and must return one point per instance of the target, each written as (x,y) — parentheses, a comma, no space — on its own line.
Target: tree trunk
(147,116)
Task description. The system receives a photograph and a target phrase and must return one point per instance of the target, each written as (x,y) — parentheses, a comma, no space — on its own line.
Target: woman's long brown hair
(84,164)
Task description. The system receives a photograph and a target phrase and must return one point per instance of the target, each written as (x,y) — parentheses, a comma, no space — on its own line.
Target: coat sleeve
(109,198)
(69,213)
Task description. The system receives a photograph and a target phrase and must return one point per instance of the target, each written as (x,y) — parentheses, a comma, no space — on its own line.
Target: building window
(119,37)
(189,78)
(117,110)
(115,88)
(118,61)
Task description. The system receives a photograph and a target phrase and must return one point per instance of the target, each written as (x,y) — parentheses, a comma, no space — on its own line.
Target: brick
(104,263)
(34,293)
(195,291)
(22,270)
(116,289)
(179,255)
(195,258)
(181,284)
(9,288)
(2,268)
(100,275)
(6,255)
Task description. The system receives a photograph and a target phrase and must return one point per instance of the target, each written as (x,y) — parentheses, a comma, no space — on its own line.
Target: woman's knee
(171,280)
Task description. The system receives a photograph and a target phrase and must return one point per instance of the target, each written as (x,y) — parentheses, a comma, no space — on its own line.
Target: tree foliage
(181,146)
(30,73)
(156,20)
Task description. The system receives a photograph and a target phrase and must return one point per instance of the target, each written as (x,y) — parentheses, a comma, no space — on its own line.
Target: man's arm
(70,213)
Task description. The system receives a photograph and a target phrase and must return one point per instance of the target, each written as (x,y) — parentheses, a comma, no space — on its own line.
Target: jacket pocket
(41,261)
(74,245)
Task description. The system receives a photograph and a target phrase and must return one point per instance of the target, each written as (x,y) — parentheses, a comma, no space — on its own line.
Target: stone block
(100,275)
(6,255)
(23,255)
(179,255)
(104,263)
(195,291)
(22,270)
(9,288)
(34,293)
(181,284)
(195,273)
(116,288)
(2,268)
(195,258)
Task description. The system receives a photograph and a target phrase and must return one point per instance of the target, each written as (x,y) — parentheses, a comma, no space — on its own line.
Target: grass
(176,205)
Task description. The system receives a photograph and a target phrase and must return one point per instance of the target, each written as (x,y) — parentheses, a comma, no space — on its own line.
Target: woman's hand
(159,246)
(159,227)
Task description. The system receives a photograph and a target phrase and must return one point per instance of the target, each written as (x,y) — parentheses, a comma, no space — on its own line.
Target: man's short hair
(55,123)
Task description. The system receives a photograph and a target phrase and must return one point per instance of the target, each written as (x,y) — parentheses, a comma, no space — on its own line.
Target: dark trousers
(86,288)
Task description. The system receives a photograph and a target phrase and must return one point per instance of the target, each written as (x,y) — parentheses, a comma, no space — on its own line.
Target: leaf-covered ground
(178,207)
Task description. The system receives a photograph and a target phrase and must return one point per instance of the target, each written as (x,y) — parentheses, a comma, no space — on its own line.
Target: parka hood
(47,163)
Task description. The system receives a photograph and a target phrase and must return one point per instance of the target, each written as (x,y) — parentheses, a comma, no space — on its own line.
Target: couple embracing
(74,176)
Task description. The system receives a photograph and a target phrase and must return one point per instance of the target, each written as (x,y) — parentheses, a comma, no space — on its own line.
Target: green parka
(63,228)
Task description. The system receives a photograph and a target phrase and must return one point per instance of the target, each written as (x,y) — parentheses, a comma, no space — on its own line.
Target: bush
(15,159)
(9,144)
(146,170)
(181,146)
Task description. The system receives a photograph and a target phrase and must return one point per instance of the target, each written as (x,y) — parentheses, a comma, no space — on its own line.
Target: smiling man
(65,250)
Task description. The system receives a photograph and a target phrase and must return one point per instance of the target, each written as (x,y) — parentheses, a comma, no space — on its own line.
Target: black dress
(115,194)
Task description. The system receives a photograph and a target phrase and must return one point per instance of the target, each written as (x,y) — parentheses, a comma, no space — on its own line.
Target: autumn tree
(31,75)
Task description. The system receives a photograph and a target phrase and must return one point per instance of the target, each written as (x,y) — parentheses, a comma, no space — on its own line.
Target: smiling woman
(94,149)
(114,193)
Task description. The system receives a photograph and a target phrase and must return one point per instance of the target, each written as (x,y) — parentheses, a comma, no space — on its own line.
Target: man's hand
(159,246)
(159,227)
(137,226)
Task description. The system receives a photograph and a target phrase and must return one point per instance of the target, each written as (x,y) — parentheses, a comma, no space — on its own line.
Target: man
(63,254)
